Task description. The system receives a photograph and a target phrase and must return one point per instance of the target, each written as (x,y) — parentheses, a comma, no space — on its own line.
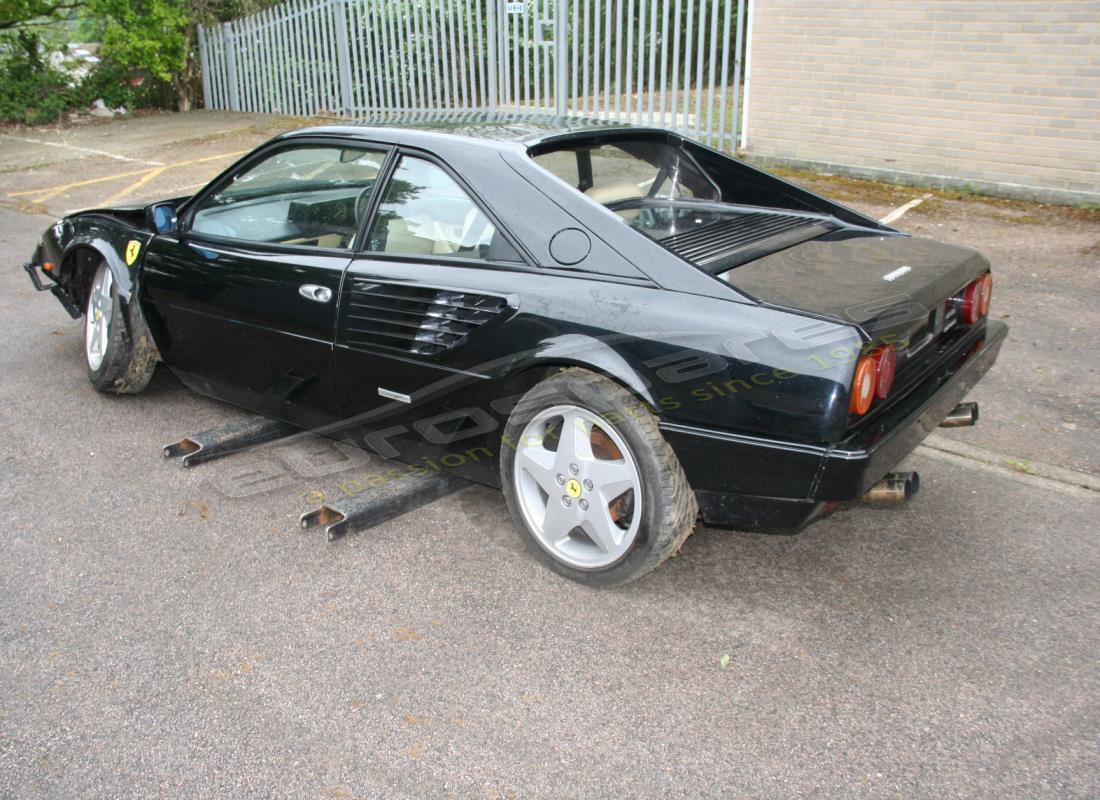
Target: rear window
(619,174)
(659,189)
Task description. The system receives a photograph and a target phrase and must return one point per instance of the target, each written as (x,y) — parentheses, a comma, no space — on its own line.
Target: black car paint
(219,315)
(832,275)
(107,232)
(746,380)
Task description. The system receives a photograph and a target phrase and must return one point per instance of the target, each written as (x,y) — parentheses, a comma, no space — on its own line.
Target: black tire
(669,509)
(129,359)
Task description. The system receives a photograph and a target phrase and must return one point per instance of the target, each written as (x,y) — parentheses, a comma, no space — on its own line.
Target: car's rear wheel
(590,482)
(114,364)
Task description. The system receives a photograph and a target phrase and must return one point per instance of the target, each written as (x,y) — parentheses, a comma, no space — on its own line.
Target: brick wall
(1003,96)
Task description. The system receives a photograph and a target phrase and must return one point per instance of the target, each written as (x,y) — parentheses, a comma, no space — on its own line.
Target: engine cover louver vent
(413,319)
(725,240)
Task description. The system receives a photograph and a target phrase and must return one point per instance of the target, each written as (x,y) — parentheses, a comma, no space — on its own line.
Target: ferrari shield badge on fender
(133,247)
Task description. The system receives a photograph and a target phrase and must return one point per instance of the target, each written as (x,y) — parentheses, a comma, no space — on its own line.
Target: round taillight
(886,361)
(863,385)
(985,295)
(976,297)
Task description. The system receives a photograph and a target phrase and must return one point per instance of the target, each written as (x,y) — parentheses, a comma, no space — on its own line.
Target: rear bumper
(753,482)
(855,465)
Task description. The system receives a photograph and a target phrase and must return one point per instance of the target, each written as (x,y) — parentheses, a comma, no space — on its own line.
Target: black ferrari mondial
(621,328)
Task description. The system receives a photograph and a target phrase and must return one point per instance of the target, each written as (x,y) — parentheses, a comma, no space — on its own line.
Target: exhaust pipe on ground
(962,416)
(893,490)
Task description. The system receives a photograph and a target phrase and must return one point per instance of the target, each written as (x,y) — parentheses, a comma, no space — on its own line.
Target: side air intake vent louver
(413,319)
(731,241)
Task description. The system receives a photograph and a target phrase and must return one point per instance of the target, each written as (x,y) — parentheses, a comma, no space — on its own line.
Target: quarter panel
(701,361)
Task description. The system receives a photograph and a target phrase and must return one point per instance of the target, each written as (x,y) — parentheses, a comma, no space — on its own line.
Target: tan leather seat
(615,192)
(400,238)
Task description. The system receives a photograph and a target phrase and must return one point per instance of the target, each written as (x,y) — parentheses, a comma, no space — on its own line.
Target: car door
(243,298)
(428,286)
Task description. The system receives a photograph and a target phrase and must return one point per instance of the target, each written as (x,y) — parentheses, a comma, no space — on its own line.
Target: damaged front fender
(78,243)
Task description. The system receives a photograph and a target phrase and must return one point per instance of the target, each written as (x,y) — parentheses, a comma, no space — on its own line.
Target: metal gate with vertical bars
(669,63)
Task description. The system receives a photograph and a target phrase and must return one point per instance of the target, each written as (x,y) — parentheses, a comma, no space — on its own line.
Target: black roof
(520,129)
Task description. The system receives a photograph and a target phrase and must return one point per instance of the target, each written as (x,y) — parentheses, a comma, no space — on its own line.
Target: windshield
(303,169)
(617,173)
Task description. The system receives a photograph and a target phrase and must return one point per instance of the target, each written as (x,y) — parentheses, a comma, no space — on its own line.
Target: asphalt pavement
(173,633)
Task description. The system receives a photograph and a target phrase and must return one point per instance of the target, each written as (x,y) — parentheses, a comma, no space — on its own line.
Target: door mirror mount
(161,217)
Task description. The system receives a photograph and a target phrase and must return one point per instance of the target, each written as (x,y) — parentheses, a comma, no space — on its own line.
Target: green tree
(31,91)
(160,36)
(150,35)
(18,13)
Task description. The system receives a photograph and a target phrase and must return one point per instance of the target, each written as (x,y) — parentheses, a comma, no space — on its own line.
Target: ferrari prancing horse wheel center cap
(573,488)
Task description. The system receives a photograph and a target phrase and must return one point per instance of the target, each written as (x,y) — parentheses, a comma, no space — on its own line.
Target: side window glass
(424,212)
(312,195)
(563,164)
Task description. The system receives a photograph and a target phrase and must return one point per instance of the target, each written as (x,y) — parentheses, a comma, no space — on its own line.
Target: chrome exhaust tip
(962,416)
(893,490)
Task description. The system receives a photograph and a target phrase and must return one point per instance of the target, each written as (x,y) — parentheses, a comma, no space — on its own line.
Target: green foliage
(150,35)
(148,53)
(31,91)
(158,37)
(18,13)
(123,86)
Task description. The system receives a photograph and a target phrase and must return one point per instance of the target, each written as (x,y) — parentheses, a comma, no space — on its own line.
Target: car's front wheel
(590,482)
(117,351)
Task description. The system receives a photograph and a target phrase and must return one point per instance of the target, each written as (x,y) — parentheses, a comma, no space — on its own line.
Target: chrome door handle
(318,294)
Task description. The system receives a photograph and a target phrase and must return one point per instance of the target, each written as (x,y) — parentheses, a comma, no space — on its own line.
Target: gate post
(204,65)
(561,56)
(343,59)
(494,9)
(739,40)
(231,64)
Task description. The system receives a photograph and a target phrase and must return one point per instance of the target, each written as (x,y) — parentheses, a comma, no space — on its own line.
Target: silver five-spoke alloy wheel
(97,320)
(578,487)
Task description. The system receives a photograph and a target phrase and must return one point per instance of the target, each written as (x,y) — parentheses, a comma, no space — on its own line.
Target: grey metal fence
(671,63)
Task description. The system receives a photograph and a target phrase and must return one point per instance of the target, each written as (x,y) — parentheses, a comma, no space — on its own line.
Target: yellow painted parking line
(144,179)
(56,190)
(48,193)
(234,154)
